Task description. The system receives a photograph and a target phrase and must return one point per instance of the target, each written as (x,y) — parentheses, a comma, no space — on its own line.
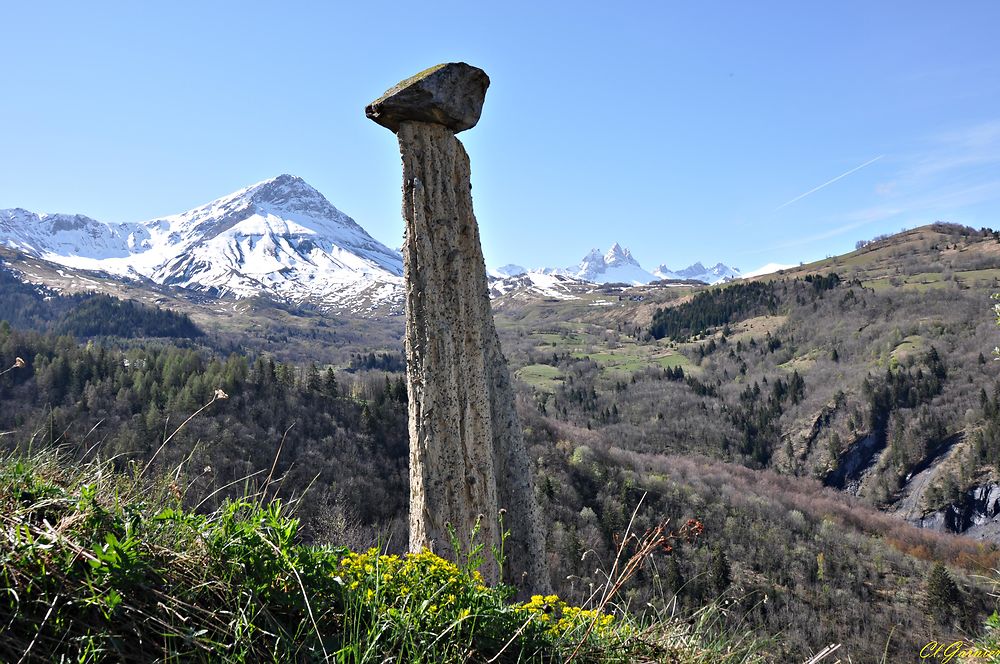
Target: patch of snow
(770,268)
(555,286)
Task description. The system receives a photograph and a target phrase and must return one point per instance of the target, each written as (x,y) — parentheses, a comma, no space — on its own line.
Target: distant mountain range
(617,265)
(284,239)
(710,275)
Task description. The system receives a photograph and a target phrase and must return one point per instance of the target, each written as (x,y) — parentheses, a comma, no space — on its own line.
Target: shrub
(96,565)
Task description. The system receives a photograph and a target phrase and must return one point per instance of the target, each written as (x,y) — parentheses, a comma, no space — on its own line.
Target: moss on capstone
(409,81)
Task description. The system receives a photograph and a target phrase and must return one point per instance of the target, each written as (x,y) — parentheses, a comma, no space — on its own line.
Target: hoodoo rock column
(467,455)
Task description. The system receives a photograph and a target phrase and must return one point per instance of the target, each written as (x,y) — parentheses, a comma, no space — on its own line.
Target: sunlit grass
(96,565)
(543,377)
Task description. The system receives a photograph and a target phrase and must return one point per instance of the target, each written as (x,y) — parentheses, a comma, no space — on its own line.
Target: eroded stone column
(467,455)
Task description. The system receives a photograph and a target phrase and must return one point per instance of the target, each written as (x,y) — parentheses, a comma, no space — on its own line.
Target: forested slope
(737,421)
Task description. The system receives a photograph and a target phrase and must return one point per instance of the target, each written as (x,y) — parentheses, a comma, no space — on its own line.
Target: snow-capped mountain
(710,275)
(617,265)
(509,270)
(280,237)
(538,283)
(63,234)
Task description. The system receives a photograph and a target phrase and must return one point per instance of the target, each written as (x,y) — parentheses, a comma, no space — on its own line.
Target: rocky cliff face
(976,514)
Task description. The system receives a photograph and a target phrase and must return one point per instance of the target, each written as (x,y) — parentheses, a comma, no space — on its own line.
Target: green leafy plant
(94,566)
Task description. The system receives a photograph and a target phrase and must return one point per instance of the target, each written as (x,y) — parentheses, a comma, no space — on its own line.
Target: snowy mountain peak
(285,197)
(614,265)
(281,185)
(617,255)
(699,272)
(509,270)
(618,265)
(290,193)
(697,268)
(280,236)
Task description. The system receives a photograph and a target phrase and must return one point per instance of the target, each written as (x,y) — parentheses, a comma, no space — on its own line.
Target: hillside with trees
(807,420)
(86,315)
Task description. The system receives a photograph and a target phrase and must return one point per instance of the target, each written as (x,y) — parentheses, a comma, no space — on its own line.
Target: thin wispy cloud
(918,210)
(957,150)
(801,241)
(949,173)
(829,182)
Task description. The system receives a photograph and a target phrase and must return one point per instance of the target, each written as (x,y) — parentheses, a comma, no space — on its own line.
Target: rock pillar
(468,461)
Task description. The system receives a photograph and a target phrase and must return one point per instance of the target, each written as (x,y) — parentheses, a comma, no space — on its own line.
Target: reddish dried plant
(658,539)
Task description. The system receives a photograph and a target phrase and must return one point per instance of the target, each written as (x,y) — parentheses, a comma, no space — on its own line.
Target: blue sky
(685,131)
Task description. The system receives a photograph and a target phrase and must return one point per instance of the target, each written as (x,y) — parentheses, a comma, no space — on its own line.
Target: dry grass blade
(217,396)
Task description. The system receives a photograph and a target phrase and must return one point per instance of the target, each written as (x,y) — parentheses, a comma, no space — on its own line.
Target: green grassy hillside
(96,566)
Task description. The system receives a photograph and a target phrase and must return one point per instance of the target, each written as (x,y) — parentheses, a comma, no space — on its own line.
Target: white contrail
(829,182)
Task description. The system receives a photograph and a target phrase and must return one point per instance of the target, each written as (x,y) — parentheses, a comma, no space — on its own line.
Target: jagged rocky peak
(615,265)
(697,268)
(51,223)
(618,264)
(618,254)
(76,222)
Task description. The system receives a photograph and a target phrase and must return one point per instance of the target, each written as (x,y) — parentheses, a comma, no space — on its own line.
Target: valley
(832,425)
(500,333)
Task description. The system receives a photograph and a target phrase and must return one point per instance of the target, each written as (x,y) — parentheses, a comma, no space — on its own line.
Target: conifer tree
(313,383)
(674,577)
(720,572)
(330,383)
(941,595)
